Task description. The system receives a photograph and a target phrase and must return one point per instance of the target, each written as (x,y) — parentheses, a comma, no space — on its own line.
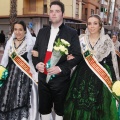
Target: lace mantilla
(22,49)
(117,45)
(102,48)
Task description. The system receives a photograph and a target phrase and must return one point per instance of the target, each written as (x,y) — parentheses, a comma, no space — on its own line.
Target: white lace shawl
(103,48)
(117,45)
(29,42)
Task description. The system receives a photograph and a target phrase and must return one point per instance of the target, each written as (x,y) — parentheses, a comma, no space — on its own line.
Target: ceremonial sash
(21,63)
(94,65)
(47,58)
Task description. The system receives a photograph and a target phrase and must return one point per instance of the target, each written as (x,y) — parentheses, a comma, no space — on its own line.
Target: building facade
(36,13)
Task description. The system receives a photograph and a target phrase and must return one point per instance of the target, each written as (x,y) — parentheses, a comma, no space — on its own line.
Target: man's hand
(53,70)
(40,66)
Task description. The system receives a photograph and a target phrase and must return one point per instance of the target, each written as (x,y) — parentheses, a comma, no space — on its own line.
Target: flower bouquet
(3,74)
(60,48)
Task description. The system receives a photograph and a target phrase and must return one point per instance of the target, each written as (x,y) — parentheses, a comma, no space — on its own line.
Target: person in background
(117,49)
(89,96)
(52,93)
(18,94)
(2,38)
(32,32)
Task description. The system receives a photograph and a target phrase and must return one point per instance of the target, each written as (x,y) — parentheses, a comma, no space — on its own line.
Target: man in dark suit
(52,94)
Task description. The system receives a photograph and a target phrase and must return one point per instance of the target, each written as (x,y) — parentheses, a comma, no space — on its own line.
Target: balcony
(35,11)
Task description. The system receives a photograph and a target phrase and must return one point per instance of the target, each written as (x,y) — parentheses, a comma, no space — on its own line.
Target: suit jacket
(41,45)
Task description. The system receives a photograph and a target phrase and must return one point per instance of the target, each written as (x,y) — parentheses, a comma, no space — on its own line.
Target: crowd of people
(39,72)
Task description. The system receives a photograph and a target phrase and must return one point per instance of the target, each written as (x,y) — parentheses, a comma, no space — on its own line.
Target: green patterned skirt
(88,98)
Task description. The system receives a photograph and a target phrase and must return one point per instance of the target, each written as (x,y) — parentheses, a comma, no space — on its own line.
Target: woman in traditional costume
(117,49)
(89,96)
(18,93)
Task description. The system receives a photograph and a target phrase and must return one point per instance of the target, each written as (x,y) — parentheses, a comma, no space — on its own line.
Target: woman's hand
(34,53)
(70,57)
(118,53)
(40,66)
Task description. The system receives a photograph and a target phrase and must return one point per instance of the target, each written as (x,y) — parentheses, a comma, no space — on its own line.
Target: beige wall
(80,10)
(4,7)
(39,5)
(68,7)
(19,7)
(48,5)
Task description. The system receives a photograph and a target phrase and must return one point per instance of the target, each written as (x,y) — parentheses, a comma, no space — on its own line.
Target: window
(86,11)
(32,5)
(103,9)
(45,8)
(92,11)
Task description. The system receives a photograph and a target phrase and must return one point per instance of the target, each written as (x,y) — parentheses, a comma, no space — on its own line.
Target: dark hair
(21,23)
(2,32)
(59,4)
(98,17)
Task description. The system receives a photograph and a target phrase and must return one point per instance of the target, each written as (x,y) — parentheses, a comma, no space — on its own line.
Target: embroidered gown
(15,94)
(88,98)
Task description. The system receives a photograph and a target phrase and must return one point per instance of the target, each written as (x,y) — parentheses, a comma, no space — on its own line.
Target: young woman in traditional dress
(89,96)
(18,94)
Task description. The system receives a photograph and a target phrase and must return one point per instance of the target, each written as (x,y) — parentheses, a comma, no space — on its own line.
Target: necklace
(93,42)
(21,39)
(20,43)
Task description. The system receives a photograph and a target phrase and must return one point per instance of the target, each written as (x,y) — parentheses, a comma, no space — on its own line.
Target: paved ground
(1,53)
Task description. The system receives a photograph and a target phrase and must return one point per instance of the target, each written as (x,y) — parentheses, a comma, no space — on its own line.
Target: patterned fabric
(88,98)
(102,49)
(19,95)
(117,45)
(15,94)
